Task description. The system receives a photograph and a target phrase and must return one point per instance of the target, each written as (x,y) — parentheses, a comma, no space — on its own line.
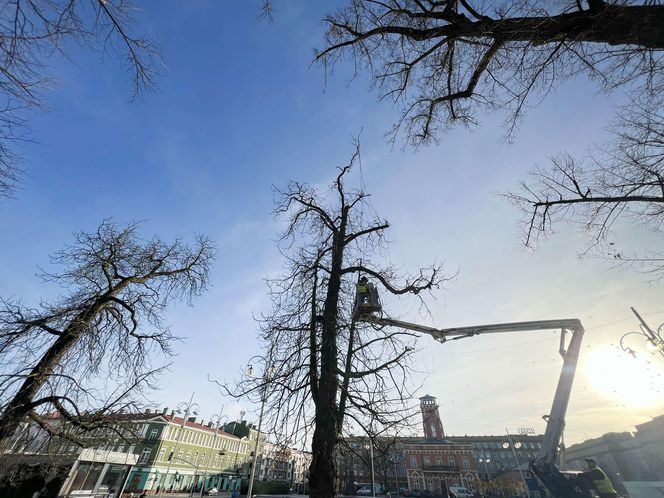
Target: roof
(154,416)
(196,425)
(503,437)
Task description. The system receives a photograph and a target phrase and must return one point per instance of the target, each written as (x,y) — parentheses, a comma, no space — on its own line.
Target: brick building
(434,463)
(430,464)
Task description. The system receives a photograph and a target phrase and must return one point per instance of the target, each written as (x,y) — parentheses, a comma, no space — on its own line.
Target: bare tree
(324,371)
(623,180)
(89,354)
(31,31)
(451,61)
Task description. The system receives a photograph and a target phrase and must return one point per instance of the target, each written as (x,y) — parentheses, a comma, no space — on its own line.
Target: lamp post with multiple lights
(214,443)
(264,378)
(515,445)
(189,407)
(654,339)
(371,457)
(486,460)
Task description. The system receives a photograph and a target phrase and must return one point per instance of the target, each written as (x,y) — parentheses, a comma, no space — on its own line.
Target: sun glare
(633,381)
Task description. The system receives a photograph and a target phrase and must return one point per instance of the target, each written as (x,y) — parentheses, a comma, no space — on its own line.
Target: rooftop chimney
(164,411)
(192,420)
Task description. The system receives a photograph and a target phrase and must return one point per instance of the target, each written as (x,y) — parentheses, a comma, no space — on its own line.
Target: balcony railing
(439,467)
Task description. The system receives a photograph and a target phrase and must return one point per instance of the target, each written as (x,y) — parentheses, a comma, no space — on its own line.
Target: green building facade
(178,455)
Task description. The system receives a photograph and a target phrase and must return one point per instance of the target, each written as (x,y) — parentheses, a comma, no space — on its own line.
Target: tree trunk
(21,404)
(323,470)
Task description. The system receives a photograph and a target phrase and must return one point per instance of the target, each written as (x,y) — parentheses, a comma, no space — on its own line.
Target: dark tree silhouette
(325,372)
(88,355)
(451,61)
(621,181)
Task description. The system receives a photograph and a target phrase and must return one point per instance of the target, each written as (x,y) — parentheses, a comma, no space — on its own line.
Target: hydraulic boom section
(368,309)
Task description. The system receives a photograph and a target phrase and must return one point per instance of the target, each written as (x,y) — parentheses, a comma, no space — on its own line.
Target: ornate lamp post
(214,442)
(189,407)
(654,340)
(268,373)
(515,445)
(371,457)
(486,461)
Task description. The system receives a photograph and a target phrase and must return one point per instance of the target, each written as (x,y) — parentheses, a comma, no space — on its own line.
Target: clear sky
(240,108)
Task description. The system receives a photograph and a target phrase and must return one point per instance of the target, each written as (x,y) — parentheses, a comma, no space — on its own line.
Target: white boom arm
(556,418)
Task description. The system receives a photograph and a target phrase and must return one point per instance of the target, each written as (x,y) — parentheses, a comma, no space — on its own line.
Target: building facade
(286,465)
(170,453)
(178,455)
(428,464)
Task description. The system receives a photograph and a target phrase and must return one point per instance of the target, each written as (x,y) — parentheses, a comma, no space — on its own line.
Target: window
(145,455)
(433,431)
(466,463)
(451,462)
(188,457)
(153,435)
(131,448)
(161,454)
(203,459)
(413,461)
(195,462)
(439,460)
(120,448)
(427,461)
(179,459)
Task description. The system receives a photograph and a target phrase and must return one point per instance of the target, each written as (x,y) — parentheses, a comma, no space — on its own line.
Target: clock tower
(433,427)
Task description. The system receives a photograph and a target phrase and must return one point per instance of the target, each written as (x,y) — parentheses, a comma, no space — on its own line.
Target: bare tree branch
(330,374)
(117,285)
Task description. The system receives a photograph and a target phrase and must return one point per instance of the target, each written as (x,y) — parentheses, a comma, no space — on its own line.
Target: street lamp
(188,408)
(267,374)
(396,461)
(371,457)
(486,461)
(654,339)
(515,446)
(214,443)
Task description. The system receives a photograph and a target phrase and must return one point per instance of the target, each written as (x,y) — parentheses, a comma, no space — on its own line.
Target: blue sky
(240,108)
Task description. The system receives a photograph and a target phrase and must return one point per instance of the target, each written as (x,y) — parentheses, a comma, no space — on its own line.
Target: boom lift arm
(367,308)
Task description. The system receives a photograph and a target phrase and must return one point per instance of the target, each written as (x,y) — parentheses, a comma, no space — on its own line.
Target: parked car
(364,491)
(212,492)
(460,492)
